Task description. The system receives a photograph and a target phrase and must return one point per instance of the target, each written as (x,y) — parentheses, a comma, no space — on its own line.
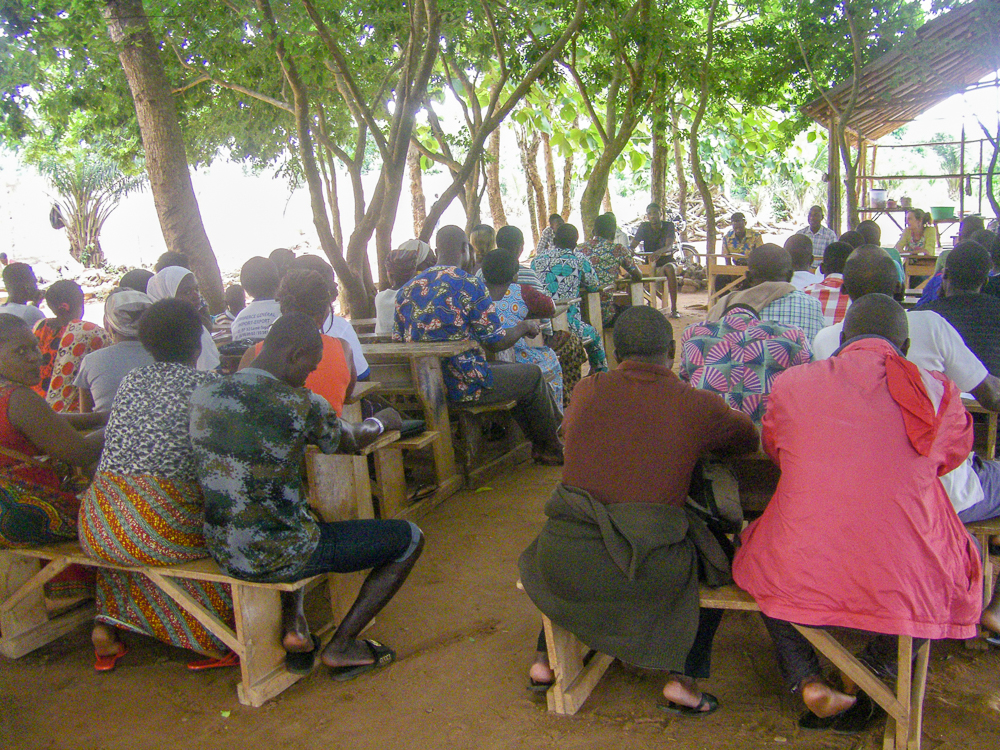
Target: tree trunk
(682,184)
(163,144)
(493,192)
(567,187)
(658,164)
(550,175)
(529,161)
(597,187)
(696,170)
(533,220)
(606,206)
(991,194)
(472,201)
(329,172)
(417,201)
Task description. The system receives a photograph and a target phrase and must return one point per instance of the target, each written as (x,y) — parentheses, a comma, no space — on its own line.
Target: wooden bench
(479,463)
(410,377)
(578,670)
(982,531)
(919,266)
(989,450)
(364,325)
(717,265)
(335,490)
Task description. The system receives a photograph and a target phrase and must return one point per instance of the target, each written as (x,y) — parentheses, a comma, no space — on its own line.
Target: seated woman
(65,340)
(34,510)
(514,303)
(920,236)
(145,506)
(179,282)
(565,273)
(306,292)
(101,372)
(402,264)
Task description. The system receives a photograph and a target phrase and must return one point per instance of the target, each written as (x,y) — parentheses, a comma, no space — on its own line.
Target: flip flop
(809,720)
(302,662)
(993,640)
(855,719)
(707,699)
(539,687)
(383,656)
(231,659)
(107,663)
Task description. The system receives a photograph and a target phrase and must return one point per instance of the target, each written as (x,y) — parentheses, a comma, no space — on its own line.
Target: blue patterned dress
(564,273)
(512,309)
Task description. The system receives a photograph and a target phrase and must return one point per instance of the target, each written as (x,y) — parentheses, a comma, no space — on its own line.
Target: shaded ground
(465,637)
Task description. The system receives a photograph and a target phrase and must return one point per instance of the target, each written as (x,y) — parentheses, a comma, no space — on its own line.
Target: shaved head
(870,270)
(800,247)
(877,315)
(769,262)
(451,245)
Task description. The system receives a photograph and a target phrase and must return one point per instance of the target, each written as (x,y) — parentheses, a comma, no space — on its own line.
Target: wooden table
(414,369)
(991,426)
(919,265)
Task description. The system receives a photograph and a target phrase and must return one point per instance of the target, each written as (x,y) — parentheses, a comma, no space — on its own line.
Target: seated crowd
(186,462)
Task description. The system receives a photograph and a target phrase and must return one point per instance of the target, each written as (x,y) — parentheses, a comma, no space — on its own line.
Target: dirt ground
(465,637)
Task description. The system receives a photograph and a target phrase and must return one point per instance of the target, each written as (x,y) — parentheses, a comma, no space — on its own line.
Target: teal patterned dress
(565,273)
(512,309)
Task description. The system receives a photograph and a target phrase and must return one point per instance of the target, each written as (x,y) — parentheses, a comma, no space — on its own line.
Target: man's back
(445,303)
(634,434)
(860,532)
(249,434)
(976,317)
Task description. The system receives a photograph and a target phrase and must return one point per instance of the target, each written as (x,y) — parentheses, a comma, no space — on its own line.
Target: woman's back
(332,377)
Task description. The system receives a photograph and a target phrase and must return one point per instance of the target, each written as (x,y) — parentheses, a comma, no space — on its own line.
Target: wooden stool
(390,474)
(479,464)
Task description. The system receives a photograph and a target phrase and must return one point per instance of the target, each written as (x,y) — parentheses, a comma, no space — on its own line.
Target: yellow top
(926,245)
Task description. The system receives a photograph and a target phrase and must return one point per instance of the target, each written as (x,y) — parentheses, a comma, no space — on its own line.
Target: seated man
(581,571)
(768,274)
(739,357)
(259,277)
(871,233)
(444,303)
(860,533)
(828,291)
(974,315)
(800,248)
(658,238)
(608,260)
(23,294)
(739,241)
(820,235)
(249,434)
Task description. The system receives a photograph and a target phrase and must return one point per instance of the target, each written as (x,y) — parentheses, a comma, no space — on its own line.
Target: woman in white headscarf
(174,281)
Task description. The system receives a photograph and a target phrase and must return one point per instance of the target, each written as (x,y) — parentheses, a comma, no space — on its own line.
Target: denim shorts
(347,546)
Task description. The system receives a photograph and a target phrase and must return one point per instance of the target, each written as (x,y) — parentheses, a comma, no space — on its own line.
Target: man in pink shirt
(832,298)
(860,533)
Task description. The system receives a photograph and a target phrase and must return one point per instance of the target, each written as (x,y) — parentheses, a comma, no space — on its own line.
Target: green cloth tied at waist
(623,578)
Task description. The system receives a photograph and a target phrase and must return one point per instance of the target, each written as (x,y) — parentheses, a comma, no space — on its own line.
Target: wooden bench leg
(258,629)
(918,687)
(25,624)
(575,680)
(389,473)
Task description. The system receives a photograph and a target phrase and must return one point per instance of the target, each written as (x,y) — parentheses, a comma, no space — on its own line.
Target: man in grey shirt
(22,288)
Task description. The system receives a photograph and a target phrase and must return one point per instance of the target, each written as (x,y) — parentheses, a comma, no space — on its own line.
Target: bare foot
(541,672)
(824,701)
(296,638)
(683,691)
(105,640)
(355,654)
(990,620)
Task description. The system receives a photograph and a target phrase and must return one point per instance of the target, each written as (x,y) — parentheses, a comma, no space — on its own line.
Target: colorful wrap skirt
(150,520)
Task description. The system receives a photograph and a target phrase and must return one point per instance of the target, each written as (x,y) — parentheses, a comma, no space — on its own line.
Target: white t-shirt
(339,328)
(209,358)
(254,320)
(802,279)
(28,313)
(934,345)
(385,311)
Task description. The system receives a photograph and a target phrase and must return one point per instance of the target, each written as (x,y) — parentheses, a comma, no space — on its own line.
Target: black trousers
(798,662)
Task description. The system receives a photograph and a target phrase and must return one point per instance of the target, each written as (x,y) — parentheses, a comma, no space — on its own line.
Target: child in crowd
(259,277)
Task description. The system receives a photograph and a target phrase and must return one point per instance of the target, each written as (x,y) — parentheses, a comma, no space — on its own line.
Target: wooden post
(833,217)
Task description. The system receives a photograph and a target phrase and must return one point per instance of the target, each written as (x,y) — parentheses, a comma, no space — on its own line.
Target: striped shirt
(832,299)
(796,309)
(823,237)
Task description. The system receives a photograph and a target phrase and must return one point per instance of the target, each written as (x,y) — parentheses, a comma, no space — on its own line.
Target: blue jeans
(347,546)
(989,507)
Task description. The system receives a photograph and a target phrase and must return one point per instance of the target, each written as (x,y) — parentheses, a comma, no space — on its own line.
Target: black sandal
(383,656)
(302,662)
(707,700)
